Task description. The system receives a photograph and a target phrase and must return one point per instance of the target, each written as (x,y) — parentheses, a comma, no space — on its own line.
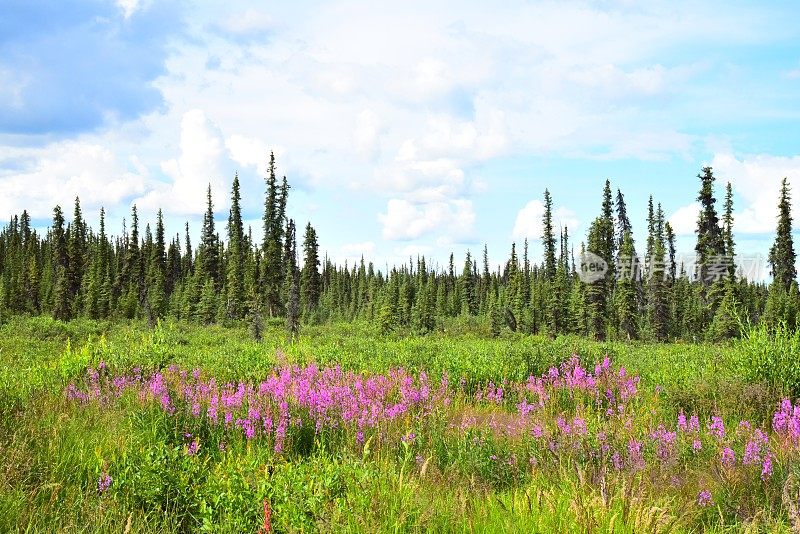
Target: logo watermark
(593,268)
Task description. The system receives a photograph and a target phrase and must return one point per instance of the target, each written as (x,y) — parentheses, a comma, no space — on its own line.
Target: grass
(54,450)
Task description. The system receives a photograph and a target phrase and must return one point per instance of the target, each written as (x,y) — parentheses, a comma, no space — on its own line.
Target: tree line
(75,271)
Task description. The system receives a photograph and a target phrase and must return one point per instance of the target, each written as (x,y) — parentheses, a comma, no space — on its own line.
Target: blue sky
(404,128)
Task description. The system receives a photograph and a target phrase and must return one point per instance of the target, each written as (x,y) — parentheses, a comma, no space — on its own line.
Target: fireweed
(598,419)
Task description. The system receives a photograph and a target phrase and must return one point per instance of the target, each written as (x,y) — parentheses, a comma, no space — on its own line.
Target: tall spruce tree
(782,256)
(548,238)
(209,247)
(272,269)
(235,275)
(60,261)
(469,303)
(292,283)
(710,244)
(310,283)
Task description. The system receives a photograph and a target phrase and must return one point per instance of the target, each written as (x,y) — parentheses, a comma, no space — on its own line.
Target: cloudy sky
(404,128)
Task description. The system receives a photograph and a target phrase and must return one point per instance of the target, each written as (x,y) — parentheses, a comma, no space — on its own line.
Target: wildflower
(408,438)
(682,426)
(728,457)
(579,426)
(193,447)
(752,452)
(766,468)
(704,498)
(697,445)
(717,427)
(103,483)
(694,423)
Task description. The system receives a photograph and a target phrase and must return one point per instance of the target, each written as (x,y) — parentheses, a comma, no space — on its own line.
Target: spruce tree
(469,303)
(236,255)
(272,268)
(624,226)
(310,283)
(548,238)
(292,282)
(60,296)
(77,258)
(782,256)
(625,295)
(596,290)
(209,246)
(710,244)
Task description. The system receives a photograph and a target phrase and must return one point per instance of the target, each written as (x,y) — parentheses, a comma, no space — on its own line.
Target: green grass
(53,451)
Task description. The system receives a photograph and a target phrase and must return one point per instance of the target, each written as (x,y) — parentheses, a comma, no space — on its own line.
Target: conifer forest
(233,385)
(398,267)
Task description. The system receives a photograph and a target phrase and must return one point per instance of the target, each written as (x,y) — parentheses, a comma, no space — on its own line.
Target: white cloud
(528,223)
(757,179)
(367,134)
(452,221)
(59,172)
(129,7)
(684,220)
(353,252)
(202,162)
(247,22)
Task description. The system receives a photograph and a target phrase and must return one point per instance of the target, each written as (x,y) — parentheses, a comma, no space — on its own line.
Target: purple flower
(717,427)
(408,438)
(728,457)
(766,469)
(103,483)
(193,447)
(704,498)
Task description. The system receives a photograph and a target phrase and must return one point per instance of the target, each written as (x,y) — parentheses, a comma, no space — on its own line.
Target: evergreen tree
(624,226)
(236,255)
(782,256)
(596,291)
(272,268)
(469,303)
(310,283)
(60,300)
(625,295)
(548,238)
(710,244)
(77,258)
(292,280)
(209,246)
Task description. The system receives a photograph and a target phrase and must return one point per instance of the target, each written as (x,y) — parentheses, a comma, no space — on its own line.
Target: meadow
(109,427)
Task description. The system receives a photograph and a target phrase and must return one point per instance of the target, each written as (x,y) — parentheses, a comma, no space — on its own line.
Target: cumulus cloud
(757,179)
(451,221)
(528,223)
(353,252)
(367,134)
(684,220)
(57,173)
(202,162)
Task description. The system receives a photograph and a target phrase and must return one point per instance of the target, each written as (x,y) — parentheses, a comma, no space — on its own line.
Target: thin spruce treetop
(548,237)
(623,222)
(236,246)
(209,248)
(782,256)
(709,233)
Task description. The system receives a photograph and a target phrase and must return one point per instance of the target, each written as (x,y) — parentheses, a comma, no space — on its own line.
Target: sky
(404,128)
